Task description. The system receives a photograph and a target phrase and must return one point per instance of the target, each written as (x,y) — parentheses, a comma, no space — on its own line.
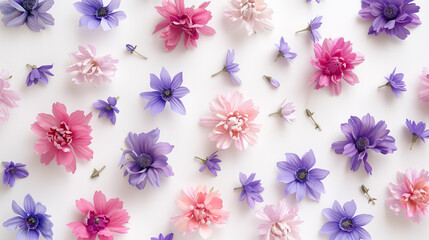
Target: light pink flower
(91,69)
(424,92)
(104,218)
(8,98)
(200,210)
(280,222)
(254,14)
(178,19)
(286,111)
(410,193)
(335,61)
(61,135)
(232,121)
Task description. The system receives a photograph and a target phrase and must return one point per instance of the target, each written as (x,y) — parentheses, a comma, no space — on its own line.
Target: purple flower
(132,49)
(231,68)
(394,81)
(272,81)
(300,178)
(343,224)
(148,159)
(362,135)
(390,16)
(32,221)
(284,51)
(109,108)
(312,28)
(13,170)
(161,237)
(38,73)
(31,12)
(250,189)
(318,1)
(95,14)
(418,130)
(211,163)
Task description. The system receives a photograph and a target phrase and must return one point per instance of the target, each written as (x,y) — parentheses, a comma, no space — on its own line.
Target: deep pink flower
(201,208)
(232,121)
(104,218)
(410,193)
(62,136)
(335,61)
(8,97)
(424,92)
(178,19)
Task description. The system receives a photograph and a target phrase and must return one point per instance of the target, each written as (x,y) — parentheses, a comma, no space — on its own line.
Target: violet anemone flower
(312,28)
(418,130)
(231,68)
(109,108)
(95,14)
(161,237)
(284,51)
(31,12)
(250,189)
(394,81)
(13,170)
(38,73)
(318,1)
(211,163)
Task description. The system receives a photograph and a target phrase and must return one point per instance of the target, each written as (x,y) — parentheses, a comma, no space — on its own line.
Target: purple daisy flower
(38,73)
(31,12)
(32,220)
(161,237)
(166,91)
(13,170)
(343,224)
(312,28)
(418,130)
(148,159)
(300,178)
(272,81)
(109,108)
(390,16)
(95,14)
(211,163)
(318,1)
(284,51)
(231,68)
(363,135)
(250,189)
(394,81)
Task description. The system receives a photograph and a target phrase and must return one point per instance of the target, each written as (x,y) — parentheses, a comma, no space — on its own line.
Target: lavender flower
(312,27)
(343,224)
(109,108)
(31,12)
(95,14)
(132,49)
(250,189)
(161,237)
(31,222)
(13,170)
(166,91)
(363,135)
(418,130)
(394,81)
(38,73)
(231,68)
(284,51)
(211,163)
(148,159)
(286,111)
(272,81)
(300,178)
(318,1)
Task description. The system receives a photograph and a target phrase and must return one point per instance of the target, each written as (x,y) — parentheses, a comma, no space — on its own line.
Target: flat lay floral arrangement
(249,119)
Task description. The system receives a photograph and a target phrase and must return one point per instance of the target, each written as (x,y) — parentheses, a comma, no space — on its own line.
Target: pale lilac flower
(231,68)
(286,111)
(272,81)
(284,51)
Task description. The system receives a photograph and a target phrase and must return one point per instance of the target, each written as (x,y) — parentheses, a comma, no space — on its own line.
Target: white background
(150,209)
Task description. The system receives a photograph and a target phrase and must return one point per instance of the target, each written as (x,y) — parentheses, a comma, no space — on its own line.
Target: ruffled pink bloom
(200,210)
(61,135)
(104,218)
(178,19)
(254,14)
(8,98)
(335,61)
(232,121)
(424,92)
(280,222)
(91,69)
(410,193)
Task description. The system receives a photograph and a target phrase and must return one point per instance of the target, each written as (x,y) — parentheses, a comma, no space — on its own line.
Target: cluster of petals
(8,97)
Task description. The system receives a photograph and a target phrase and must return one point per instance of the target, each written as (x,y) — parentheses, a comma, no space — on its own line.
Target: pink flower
(104,218)
(200,210)
(410,193)
(178,19)
(280,222)
(61,135)
(8,98)
(91,69)
(232,121)
(255,15)
(424,92)
(335,61)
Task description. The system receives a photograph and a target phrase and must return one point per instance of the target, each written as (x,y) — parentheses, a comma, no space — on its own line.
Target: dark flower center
(108,108)
(346,224)
(28,4)
(12,171)
(101,12)
(144,160)
(166,94)
(301,175)
(362,144)
(32,222)
(96,223)
(390,12)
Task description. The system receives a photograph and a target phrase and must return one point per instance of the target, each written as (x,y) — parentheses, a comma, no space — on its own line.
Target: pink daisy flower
(410,193)
(424,92)
(62,136)
(335,61)
(280,222)
(178,19)
(104,218)
(91,69)
(201,208)
(232,121)
(8,98)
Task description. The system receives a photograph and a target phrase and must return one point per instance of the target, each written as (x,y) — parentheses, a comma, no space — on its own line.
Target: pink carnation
(91,69)
(410,193)
(424,92)
(61,135)
(232,121)
(8,98)
(104,218)
(335,61)
(178,19)
(200,210)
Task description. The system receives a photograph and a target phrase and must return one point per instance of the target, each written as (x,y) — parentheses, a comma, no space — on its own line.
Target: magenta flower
(8,97)
(424,92)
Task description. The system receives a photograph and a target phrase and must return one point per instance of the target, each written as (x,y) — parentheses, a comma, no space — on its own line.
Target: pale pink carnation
(201,209)
(62,136)
(91,69)
(8,97)
(424,92)
(410,193)
(232,121)
(335,61)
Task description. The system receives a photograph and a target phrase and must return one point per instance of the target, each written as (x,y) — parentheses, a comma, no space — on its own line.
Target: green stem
(415,138)
(145,58)
(32,66)
(305,29)
(202,159)
(278,56)
(310,115)
(238,188)
(96,173)
(223,70)
(385,85)
(274,113)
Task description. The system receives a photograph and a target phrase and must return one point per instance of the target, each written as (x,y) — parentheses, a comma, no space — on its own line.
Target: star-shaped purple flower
(394,81)
(284,51)
(318,1)
(312,28)
(95,14)
(109,108)
(38,73)
(161,237)
(250,189)
(231,68)
(418,130)
(12,171)
(211,163)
